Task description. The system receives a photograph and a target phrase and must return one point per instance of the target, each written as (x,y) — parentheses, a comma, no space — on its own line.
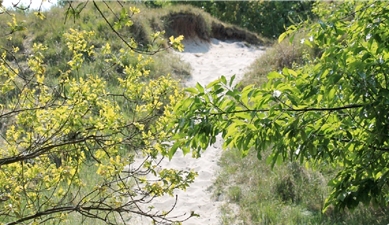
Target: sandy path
(209,61)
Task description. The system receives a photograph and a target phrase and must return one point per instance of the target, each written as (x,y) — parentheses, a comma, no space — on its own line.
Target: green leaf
(349,135)
(366,56)
(200,88)
(223,80)
(213,83)
(192,90)
(331,94)
(274,75)
(335,78)
(282,37)
(232,80)
(323,25)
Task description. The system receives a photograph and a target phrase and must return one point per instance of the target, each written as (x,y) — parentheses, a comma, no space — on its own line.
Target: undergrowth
(289,193)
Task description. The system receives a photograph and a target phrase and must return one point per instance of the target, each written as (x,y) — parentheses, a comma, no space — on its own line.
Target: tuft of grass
(235,193)
(167,63)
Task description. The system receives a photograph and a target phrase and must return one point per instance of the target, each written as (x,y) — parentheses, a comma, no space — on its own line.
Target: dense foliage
(268,18)
(330,112)
(71,144)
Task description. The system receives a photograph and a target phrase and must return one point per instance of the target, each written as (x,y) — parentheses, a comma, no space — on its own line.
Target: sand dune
(209,61)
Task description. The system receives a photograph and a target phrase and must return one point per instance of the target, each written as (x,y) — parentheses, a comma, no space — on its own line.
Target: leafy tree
(54,135)
(330,112)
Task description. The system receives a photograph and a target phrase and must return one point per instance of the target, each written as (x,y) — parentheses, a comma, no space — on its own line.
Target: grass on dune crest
(192,22)
(278,56)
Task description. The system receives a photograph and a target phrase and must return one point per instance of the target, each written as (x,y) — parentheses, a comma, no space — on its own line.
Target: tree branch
(352,106)
(25,156)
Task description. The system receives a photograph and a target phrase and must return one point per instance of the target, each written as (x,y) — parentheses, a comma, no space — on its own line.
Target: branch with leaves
(331,111)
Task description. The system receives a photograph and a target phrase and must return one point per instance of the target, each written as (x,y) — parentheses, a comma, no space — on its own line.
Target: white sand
(209,61)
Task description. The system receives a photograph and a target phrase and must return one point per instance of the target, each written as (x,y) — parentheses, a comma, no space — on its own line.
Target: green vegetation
(50,33)
(79,102)
(325,113)
(191,22)
(77,105)
(289,193)
(280,55)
